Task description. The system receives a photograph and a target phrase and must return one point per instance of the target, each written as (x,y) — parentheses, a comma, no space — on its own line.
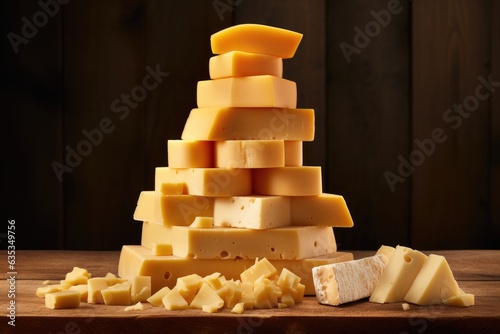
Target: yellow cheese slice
(398,276)
(345,282)
(190,154)
(254,212)
(321,210)
(207,181)
(244,64)
(260,91)
(256,38)
(249,153)
(249,123)
(287,181)
(293,153)
(62,299)
(165,270)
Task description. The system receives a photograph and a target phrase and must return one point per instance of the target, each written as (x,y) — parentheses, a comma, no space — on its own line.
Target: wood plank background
(374,108)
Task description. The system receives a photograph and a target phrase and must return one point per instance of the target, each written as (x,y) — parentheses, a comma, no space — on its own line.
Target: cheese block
(434,283)
(249,153)
(254,212)
(287,181)
(165,270)
(244,64)
(180,210)
(293,153)
(320,210)
(345,282)
(282,243)
(207,181)
(398,276)
(255,91)
(249,123)
(172,188)
(256,38)
(62,299)
(190,154)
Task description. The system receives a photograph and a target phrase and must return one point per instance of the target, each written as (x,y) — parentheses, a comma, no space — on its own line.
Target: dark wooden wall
(373,107)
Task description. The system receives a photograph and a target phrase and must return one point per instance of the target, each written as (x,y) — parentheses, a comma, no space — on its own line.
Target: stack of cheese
(235,189)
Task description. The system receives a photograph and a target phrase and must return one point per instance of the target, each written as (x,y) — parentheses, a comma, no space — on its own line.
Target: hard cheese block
(287,243)
(287,181)
(250,153)
(207,181)
(345,282)
(249,123)
(293,153)
(165,270)
(244,64)
(190,154)
(254,212)
(256,38)
(254,91)
(321,210)
(156,234)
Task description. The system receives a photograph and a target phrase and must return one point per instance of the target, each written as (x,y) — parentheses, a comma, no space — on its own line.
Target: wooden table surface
(477,272)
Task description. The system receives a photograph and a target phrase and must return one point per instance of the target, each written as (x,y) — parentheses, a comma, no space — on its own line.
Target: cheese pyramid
(235,189)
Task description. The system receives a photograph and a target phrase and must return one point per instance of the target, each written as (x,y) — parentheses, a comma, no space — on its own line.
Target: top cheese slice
(256,38)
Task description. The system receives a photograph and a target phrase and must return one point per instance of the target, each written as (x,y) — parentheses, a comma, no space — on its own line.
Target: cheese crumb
(405,306)
(135,307)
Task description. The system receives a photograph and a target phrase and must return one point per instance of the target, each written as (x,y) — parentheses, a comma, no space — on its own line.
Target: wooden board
(477,272)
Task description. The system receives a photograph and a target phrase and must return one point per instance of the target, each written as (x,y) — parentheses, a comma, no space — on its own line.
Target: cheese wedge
(293,153)
(249,153)
(320,210)
(165,270)
(190,154)
(256,38)
(244,64)
(345,282)
(287,181)
(249,123)
(261,91)
(387,251)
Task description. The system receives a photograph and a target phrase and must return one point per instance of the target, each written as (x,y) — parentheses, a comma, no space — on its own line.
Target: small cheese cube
(202,222)
(288,280)
(287,300)
(261,91)
(244,64)
(111,279)
(214,280)
(287,181)
(62,299)
(238,308)
(83,290)
(76,276)
(250,153)
(95,286)
(188,286)
(190,154)
(206,296)
(118,294)
(43,290)
(231,293)
(261,268)
(161,249)
(135,307)
(293,153)
(174,301)
(156,299)
(405,306)
(141,288)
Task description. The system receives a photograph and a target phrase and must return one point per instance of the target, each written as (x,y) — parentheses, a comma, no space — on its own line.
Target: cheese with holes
(256,38)
(249,153)
(262,91)
(210,182)
(320,210)
(244,64)
(293,153)
(433,284)
(349,281)
(172,210)
(287,181)
(254,212)
(164,270)
(190,154)
(62,299)
(398,276)
(249,123)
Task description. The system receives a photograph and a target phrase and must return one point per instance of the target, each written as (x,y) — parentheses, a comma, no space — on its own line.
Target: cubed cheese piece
(174,301)
(153,233)
(161,249)
(398,276)
(206,296)
(434,282)
(43,290)
(261,268)
(256,38)
(83,290)
(244,64)
(250,153)
(405,306)
(463,299)
(202,222)
(156,298)
(111,279)
(249,124)
(288,280)
(135,307)
(260,91)
(188,286)
(172,210)
(231,293)
(287,299)
(164,270)
(320,210)
(253,212)
(293,153)
(141,288)
(287,243)
(76,276)
(215,281)
(207,181)
(95,287)
(387,251)
(348,281)
(266,293)
(172,189)
(287,181)
(238,308)
(118,294)
(62,299)
(190,154)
